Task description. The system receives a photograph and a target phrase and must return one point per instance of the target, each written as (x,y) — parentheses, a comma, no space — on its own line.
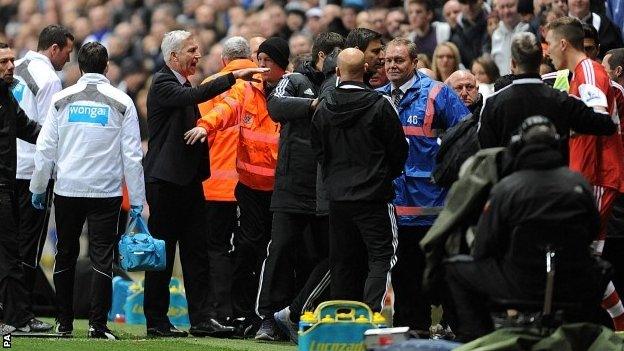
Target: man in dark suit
(174,172)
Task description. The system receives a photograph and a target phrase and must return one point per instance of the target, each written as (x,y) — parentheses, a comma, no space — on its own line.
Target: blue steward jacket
(426,109)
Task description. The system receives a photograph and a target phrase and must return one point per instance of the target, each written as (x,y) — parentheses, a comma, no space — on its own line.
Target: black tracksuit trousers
(13,294)
(33,230)
(221,223)
(250,245)
(280,271)
(362,250)
(102,216)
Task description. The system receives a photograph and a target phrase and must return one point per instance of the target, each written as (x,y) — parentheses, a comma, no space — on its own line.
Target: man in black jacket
(608,32)
(14,124)
(361,147)
(471,34)
(174,172)
(504,111)
(542,202)
(293,202)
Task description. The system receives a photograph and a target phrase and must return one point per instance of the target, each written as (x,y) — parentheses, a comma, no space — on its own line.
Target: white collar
(406,85)
(180,77)
(90,78)
(33,55)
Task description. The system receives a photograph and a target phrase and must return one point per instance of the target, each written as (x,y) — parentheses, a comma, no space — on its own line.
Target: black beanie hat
(277,49)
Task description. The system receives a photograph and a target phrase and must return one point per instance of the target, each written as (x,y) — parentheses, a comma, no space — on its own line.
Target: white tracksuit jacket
(91,133)
(36,82)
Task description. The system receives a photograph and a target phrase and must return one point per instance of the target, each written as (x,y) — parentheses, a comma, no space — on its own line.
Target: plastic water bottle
(306,321)
(379,320)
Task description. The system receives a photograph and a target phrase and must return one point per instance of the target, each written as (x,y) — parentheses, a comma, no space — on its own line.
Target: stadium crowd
(294,151)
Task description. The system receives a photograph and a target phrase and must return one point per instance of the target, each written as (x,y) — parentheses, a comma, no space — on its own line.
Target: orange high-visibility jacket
(244,107)
(222,144)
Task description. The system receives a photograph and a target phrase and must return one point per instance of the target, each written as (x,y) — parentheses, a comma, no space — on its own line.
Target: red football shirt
(599,158)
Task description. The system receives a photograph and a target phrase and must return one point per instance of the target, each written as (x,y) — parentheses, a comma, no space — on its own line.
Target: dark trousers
(613,253)
(177,216)
(221,222)
(278,276)
(362,247)
(102,215)
(13,293)
(250,245)
(614,244)
(314,290)
(471,284)
(33,230)
(411,305)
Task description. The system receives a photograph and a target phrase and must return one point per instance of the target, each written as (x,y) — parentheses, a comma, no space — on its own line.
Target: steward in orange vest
(244,108)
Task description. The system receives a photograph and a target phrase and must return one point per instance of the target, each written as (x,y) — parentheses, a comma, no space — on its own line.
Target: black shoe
(166,332)
(101,332)
(268,330)
(245,328)
(64,329)
(212,327)
(287,326)
(35,326)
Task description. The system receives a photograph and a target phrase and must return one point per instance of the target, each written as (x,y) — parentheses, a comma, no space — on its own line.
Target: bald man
(464,84)
(351,65)
(254,45)
(361,148)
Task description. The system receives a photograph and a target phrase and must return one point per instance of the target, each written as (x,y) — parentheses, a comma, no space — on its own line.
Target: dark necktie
(187,84)
(397,94)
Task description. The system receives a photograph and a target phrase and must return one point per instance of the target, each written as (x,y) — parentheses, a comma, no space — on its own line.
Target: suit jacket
(171,111)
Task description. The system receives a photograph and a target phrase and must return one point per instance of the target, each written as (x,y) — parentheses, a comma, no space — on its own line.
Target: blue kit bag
(139,251)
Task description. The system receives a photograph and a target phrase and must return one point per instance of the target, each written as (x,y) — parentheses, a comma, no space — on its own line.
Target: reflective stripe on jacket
(258,135)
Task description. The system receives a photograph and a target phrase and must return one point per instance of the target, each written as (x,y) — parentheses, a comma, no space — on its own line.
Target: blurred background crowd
(453,34)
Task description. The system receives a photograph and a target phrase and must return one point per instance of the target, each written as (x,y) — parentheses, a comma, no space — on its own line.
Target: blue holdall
(139,251)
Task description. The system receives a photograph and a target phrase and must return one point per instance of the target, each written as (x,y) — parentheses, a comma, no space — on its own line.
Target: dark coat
(471,37)
(295,175)
(505,110)
(13,124)
(608,33)
(171,111)
(359,142)
(541,201)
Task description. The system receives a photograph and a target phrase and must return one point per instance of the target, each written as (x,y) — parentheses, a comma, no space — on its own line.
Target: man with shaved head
(361,148)
(351,65)
(465,85)
(254,44)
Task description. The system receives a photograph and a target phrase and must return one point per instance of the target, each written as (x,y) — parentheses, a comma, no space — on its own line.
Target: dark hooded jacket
(541,199)
(295,175)
(359,142)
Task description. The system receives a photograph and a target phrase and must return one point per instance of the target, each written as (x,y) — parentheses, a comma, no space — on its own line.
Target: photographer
(540,198)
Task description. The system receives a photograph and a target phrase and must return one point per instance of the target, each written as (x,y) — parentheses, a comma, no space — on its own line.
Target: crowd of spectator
(466,44)
(466,34)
